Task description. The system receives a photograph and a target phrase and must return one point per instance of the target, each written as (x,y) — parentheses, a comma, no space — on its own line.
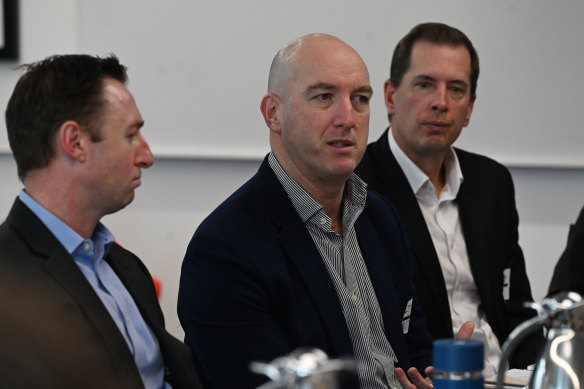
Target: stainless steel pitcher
(306,369)
(561,362)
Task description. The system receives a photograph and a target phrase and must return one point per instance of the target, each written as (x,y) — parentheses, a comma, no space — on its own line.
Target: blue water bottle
(458,364)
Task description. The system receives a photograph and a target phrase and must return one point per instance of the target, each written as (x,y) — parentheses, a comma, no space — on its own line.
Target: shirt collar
(417,178)
(68,238)
(304,203)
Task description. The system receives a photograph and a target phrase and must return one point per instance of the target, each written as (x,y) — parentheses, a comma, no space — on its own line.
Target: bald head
(317,109)
(302,51)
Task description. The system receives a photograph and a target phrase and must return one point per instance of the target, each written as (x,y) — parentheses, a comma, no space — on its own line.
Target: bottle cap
(457,355)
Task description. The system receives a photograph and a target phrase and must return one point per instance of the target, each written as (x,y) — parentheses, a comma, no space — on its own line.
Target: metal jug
(307,369)
(561,362)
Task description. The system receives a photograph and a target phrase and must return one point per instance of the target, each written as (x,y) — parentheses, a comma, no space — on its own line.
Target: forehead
(115,92)
(119,105)
(430,59)
(330,62)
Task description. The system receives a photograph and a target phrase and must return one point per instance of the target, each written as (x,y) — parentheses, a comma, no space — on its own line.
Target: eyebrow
(319,86)
(329,87)
(429,78)
(364,89)
(137,125)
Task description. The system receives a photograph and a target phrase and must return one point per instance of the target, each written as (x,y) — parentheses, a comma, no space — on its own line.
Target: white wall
(178,192)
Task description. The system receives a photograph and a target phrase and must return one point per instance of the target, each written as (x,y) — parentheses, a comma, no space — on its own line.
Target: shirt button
(354,298)
(86,246)
(322,220)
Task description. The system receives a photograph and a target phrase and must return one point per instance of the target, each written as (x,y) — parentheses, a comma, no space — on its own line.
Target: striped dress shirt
(346,267)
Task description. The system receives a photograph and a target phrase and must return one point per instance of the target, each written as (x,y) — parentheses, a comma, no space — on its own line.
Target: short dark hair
(435,33)
(50,92)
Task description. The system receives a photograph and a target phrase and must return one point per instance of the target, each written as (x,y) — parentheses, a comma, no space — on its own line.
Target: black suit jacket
(569,271)
(254,286)
(54,330)
(486,203)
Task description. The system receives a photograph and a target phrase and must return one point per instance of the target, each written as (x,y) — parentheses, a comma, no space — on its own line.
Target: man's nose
(145,159)
(440,98)
(345,114)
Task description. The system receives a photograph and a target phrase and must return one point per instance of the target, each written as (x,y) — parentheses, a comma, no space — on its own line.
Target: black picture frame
(10,23)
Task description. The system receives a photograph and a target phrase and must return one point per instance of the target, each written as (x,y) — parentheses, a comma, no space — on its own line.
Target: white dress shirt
(443,222)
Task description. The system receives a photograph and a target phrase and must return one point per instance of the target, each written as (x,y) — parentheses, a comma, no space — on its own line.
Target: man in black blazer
(302,255)
(76,309)
(458,208)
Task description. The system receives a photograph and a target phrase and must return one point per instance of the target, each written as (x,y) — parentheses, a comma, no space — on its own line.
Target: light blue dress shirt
(89,256)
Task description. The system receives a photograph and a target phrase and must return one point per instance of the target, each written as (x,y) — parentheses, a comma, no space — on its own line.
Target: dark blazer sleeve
(226,313)
(569,271)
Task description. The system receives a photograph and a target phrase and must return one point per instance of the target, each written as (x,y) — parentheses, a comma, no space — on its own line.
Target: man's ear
(388,95)
(73,140)
(269,107)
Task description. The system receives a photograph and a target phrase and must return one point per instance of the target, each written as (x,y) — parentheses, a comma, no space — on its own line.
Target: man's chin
(343,172)
(120,205)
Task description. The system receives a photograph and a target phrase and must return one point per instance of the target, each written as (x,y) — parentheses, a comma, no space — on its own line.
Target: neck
(331,199)
(333,208)
(328,192)
(435,170)
(432,163)
(63,201)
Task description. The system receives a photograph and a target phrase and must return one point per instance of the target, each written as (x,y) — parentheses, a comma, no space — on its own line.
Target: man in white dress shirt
(458,208)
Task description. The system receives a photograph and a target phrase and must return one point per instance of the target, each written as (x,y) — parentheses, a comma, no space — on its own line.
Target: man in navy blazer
(76,309)
(458,208)
(302,255)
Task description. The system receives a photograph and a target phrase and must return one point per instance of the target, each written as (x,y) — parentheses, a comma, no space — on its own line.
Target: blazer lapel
(63,269)
(470,209)
(380,273)
(61,266)
(133,279)
(397,189)
(303,254)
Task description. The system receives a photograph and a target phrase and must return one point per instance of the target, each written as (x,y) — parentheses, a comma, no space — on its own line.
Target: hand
(466,330)
(415,381)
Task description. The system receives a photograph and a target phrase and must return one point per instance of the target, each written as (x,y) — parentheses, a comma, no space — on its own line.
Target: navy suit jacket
(55,331)
(254,286)
(486,204)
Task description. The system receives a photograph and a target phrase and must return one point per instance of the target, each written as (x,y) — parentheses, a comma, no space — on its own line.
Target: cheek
(409,108)
(363,123)
(418,103)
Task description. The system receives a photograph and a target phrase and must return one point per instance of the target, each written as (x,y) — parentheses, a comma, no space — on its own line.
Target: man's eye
(423,84)
(323,97)
(362,99)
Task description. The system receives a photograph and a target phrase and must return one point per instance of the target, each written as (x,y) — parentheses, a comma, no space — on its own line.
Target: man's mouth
(341,143)
(437,124)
